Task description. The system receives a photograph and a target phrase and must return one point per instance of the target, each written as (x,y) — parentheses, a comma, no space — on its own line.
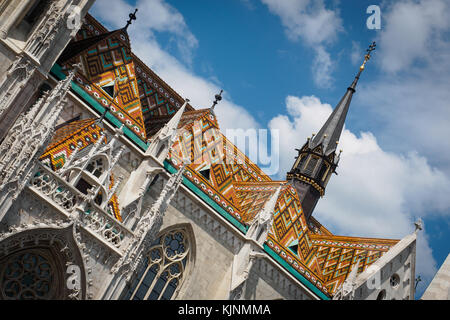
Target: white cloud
(322,68)
(153,16)
(412,31)
(308,20)
(411,100)
(313,23)
(377,193)
(357,53)
(157,15)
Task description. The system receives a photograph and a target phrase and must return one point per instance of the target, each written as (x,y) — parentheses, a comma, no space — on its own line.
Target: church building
(115,187)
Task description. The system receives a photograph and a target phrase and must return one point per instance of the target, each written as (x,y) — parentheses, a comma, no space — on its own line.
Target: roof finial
(132,17)
(418,225)
(218,99)
(367,57)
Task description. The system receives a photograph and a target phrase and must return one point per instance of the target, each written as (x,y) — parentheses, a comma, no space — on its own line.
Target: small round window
(395,280)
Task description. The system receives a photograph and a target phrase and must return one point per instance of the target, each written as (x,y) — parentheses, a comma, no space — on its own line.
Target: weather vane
(132,17)
(218,99)
(367,57)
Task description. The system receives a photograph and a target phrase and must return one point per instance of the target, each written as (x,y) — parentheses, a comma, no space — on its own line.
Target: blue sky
(285,64)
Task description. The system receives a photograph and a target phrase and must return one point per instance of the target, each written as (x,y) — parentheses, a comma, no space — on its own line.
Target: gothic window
(300,161)
(83,186)
(28,275)
(311,165)
(324,172)
(381,295)
(99,198)
(96,167)
(164,268)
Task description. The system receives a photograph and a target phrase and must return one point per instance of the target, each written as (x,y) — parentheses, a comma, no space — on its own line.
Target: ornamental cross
(218,99)
(372,47)
(132,17)
(367,57)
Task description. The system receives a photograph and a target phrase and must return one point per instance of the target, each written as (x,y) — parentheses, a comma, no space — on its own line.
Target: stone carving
(19,73)
(39,251)
(252,248)
(148,226)
(26,141)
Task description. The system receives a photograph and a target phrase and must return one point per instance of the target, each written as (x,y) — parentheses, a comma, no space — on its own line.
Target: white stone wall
(399,266)
(210,275)
(439,288)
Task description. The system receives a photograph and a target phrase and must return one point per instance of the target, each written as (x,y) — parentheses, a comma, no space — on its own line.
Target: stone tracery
(164,268)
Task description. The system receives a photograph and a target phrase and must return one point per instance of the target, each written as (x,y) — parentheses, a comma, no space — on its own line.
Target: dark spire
(330,133)
(132,17)
(317,160)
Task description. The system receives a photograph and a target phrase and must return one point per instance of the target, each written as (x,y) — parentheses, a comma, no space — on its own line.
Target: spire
(331,131)
(163,140)
(317,159)
(171,127)
(218,99)
(132,17)
(262,223)
(347,289)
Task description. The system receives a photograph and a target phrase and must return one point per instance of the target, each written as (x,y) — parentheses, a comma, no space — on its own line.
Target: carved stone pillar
(17,88)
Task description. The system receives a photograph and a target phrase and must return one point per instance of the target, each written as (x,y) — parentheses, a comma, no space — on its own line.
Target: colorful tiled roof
(108,74)
(147,96)
(80,133)
(337,255)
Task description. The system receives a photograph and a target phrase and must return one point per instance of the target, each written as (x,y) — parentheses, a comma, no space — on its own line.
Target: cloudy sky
(284,65)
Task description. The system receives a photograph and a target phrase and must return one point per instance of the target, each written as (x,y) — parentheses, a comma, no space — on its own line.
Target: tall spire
(330,133)
(317,160)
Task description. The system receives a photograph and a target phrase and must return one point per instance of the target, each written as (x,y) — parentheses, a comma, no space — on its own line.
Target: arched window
(381,295)
(164,268)
(311,165)
(300,161)
(323,172)
(96,167)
